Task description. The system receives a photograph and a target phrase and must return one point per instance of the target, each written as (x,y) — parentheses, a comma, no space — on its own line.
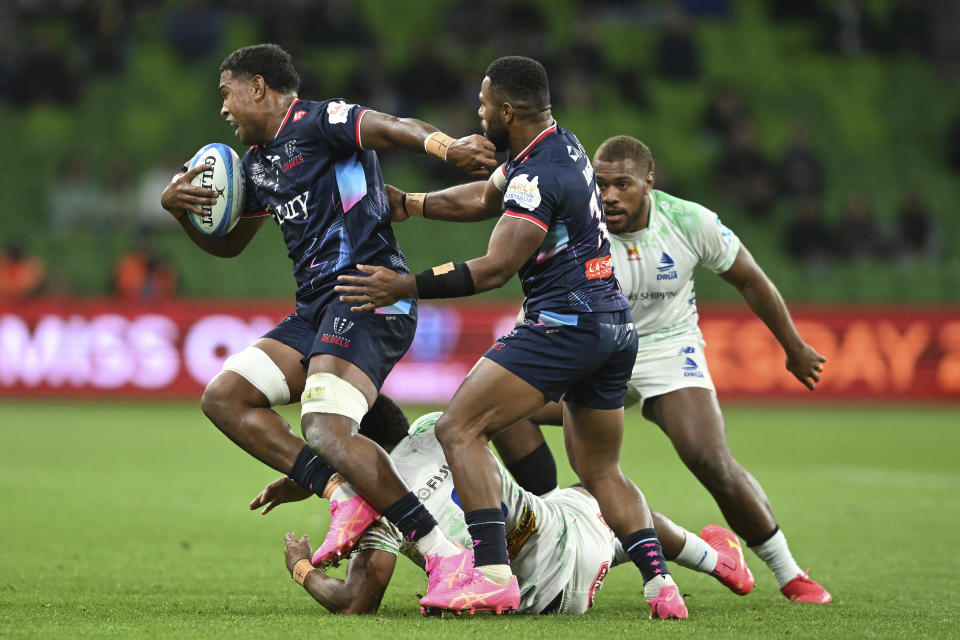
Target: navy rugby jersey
(551,184)
(326,194)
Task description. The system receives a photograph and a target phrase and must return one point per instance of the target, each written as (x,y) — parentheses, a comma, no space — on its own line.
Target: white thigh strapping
(326,393)
(258,369)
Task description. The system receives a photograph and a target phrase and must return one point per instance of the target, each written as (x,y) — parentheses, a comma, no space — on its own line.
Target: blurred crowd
(50,49)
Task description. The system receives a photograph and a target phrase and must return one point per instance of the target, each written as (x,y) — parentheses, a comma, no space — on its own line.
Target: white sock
(496,573)
(343,492)
(437,544)
(778,557)
(697,554)
(651,589)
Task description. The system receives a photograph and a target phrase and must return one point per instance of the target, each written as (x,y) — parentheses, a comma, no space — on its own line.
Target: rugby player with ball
(312,168)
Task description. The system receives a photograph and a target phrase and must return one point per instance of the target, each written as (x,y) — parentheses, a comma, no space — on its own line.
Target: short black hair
(267,60)
(385,423)
(520,80)
(625,148)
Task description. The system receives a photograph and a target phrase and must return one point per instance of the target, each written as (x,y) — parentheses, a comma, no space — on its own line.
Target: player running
(577,341)
(559,546)
(658,242)
(312,168)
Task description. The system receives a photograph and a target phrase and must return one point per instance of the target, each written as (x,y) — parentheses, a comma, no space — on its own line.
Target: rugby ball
(225,176)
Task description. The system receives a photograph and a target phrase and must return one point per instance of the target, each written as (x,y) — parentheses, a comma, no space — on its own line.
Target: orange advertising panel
(875,353)
(96,348)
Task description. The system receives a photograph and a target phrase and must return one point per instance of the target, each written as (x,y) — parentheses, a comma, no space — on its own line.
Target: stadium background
(789,118)
(826,135)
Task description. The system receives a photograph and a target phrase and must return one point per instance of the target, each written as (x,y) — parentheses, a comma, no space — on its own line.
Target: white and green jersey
(543,542)
(655,265)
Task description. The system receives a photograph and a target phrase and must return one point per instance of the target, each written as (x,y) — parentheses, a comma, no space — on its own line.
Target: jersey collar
(540,136)
(286,117)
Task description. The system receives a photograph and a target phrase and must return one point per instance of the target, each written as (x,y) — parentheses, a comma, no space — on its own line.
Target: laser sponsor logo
(599,268)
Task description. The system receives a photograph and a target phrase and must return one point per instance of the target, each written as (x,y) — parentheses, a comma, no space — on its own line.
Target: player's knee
(712,468)
(263,374)
(331,411)
(453,433)
(216,401)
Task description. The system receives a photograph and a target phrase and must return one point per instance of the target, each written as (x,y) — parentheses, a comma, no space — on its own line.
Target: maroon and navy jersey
(551,184)
(326,193)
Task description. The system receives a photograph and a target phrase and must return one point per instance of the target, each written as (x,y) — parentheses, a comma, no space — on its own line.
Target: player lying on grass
(559,546)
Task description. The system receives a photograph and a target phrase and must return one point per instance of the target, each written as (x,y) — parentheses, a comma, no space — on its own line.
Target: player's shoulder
(424,424)
(688,215)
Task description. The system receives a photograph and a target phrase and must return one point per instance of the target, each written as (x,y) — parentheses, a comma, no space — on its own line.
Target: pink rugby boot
(731,570)
(349,520)
(456,585)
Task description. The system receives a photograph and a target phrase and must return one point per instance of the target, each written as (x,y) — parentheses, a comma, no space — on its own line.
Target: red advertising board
(94,348)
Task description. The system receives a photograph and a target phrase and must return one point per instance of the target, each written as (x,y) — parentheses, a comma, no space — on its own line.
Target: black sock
(310,471)
(759,542)
(644,549)
(489,536)
(410,516)
(535,472)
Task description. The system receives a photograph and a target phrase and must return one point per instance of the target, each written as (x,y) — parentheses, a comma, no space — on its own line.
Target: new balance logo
(691,369)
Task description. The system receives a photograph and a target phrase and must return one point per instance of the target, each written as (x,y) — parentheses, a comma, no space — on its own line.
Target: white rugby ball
(225,176)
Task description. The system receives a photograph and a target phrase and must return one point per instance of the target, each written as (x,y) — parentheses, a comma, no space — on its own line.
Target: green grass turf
(131,519)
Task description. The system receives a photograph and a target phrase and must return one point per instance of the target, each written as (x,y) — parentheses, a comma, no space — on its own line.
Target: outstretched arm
(512,243)
(368,574)
(468,202)
(767,303)
(473,154)
(180,196)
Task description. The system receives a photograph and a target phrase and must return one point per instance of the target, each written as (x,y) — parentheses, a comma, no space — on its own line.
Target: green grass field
(131,519)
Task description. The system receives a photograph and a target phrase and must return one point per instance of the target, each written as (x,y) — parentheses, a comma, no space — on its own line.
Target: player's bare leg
(337,394)
(361,461)
(517,447)
(464,430)
(527,457)
(594,438)
(242,412)
(692,419)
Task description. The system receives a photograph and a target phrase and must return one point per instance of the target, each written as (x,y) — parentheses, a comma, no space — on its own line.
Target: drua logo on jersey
(666,267)
(524,192)
(691,370)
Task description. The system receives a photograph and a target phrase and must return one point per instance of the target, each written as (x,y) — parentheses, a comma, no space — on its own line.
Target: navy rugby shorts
(584,358)
(375,342)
